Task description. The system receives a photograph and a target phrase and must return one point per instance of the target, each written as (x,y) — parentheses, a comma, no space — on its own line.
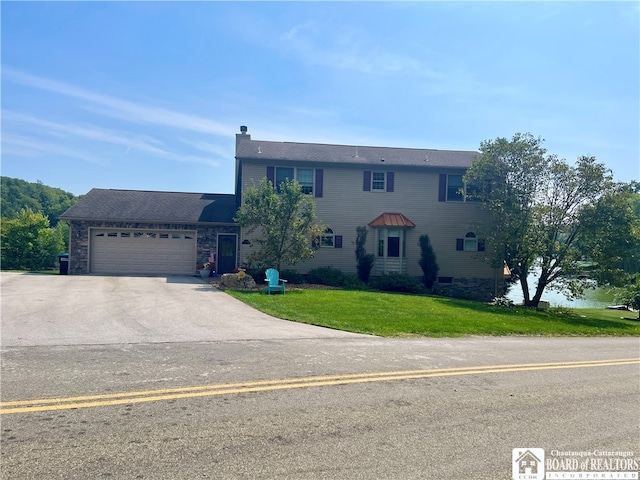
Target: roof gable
(148,206)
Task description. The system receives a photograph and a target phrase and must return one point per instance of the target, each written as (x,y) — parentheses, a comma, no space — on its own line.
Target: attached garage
(142,251)
(133,232)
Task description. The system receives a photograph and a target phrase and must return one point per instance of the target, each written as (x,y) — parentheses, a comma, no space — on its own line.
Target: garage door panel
(140,252)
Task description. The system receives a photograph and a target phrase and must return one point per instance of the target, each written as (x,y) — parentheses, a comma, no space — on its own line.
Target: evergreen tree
(428,262)
(365,260)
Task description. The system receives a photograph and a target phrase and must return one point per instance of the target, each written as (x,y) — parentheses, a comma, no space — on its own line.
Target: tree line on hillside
(17,194)
(31,234)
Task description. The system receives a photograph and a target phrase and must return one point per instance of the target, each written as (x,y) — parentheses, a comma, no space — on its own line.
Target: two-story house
(399,194)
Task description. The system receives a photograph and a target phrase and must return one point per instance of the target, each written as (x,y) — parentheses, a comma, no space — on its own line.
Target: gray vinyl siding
(344,206)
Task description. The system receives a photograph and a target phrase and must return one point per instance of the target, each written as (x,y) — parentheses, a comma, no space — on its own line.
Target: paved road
(296,406)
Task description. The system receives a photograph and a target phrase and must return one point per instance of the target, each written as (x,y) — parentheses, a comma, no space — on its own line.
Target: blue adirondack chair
(275,283)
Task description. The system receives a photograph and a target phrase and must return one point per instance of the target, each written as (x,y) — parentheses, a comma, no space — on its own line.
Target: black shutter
(459,243)
(318,189)
(481,245)
(337,241)
(442,188)
(366,181)
(390,181)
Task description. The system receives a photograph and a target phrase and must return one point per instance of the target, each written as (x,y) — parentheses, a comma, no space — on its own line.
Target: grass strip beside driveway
(395,314)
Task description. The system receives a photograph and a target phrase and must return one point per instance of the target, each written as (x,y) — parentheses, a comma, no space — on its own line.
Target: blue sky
(150,95)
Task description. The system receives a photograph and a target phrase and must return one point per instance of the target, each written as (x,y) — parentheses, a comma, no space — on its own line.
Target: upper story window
(453,189)
(377,181)
(304,176)
(283,174)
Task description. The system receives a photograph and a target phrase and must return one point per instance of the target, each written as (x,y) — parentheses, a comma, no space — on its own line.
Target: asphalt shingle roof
(246,148)
(147,206)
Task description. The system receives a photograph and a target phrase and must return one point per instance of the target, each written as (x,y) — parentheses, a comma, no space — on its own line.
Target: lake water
(594,298)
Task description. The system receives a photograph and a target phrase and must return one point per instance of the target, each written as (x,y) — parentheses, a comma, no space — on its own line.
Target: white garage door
(143,251)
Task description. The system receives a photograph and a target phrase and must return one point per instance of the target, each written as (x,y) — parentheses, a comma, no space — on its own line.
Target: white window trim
(327,239)
(384,181)
(465,194)
(295,176)
(472,238)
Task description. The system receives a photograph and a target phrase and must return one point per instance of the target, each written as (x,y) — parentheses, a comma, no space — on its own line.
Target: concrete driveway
(84,310)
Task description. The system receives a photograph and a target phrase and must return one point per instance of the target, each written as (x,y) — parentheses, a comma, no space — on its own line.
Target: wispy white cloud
(91,132)
(33,146)
(30,147)
(434,73)
(351,51)
(294,33)
(120,108)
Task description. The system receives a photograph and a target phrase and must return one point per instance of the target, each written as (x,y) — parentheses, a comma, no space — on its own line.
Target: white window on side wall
(327,239)
(470,243)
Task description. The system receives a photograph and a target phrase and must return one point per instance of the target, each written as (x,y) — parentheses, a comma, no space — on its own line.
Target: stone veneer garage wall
(206,241)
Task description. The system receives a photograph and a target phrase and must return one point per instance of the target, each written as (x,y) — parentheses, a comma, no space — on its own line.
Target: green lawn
(390,314)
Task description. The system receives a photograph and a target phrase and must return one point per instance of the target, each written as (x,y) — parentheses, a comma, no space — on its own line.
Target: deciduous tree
(612,235)
(536,204)
(28,243)
(283,222)
(630,296)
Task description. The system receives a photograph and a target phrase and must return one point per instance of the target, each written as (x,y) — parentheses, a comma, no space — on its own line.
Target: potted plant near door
(204,269)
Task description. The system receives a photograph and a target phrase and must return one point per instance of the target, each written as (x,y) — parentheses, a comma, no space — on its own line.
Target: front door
(226,261)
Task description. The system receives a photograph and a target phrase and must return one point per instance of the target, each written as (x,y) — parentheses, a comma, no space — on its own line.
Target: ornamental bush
(292,276)
(395,282)
(258,274)
(326,276)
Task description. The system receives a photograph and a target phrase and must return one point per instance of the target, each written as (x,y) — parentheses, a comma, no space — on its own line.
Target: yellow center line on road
(110,399)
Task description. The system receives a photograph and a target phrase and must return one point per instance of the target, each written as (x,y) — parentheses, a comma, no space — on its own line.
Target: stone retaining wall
(481,289)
